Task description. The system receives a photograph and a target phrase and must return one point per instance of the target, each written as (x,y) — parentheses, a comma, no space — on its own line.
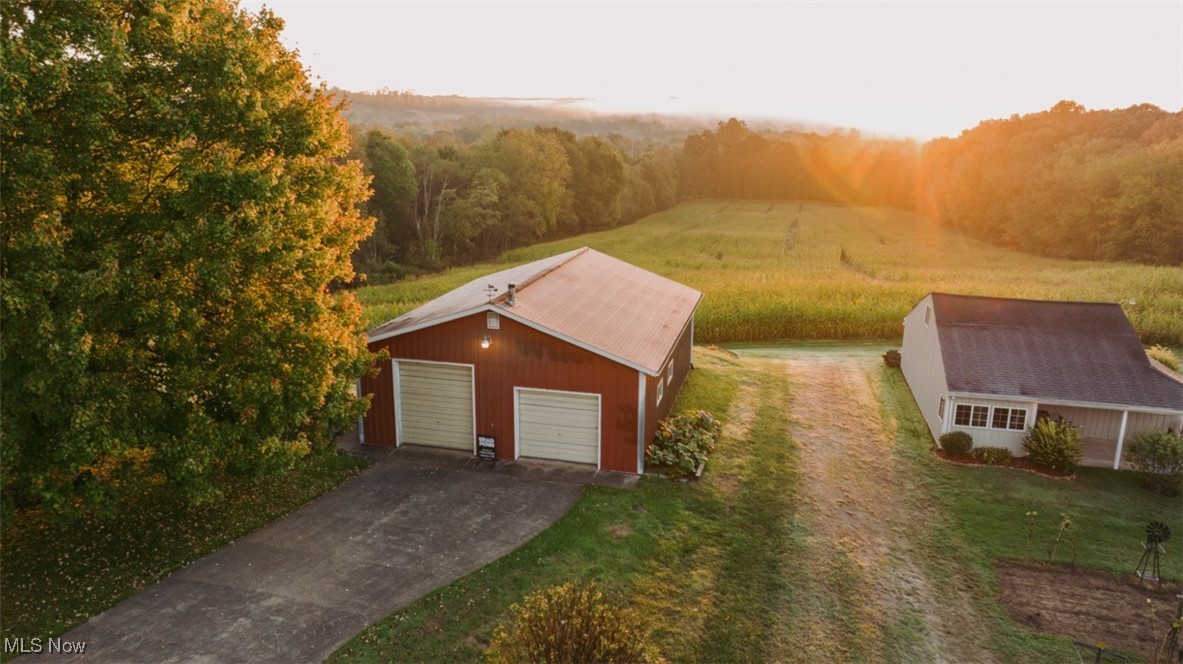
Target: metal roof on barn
(1069,351)
(591,298)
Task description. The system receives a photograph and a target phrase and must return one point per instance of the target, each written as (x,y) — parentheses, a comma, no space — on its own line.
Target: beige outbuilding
(991,366)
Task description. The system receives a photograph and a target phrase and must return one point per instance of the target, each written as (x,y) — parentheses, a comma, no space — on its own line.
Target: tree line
(444,200)
(1067,182)
(841,167)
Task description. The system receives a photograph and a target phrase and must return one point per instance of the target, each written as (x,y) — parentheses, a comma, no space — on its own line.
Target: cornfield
(847,273)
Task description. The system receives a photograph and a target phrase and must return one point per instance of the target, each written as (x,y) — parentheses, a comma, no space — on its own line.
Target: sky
(918,69)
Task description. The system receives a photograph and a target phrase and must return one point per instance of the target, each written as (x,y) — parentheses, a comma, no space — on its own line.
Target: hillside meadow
(850,272)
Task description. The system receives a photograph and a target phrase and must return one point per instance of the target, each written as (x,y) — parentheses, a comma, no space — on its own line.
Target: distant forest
(1067,182)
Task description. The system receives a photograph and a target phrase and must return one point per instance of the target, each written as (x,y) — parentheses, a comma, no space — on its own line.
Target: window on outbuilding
(660,390)
(669,372)
(1014,419)
(941,409)
(493,320)
(966,415)
(927,314)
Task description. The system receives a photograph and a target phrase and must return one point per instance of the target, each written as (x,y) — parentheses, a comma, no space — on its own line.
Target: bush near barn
(683,442)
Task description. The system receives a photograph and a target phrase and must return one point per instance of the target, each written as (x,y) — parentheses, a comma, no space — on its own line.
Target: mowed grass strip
(759,289)
(699,562)
(55,575)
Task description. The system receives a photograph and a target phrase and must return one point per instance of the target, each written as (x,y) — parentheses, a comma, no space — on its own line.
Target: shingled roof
(609,306)
(1084,352)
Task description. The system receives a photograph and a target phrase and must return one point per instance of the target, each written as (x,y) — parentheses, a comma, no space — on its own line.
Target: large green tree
(392,178)
(534,195)
(175,207)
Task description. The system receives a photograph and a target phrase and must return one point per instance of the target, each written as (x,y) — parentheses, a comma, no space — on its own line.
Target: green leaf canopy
(175,206)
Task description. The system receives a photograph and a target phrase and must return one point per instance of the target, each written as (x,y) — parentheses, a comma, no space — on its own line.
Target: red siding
(519,356)
(655,412)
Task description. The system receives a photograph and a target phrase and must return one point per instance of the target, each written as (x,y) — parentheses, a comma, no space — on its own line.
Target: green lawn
(1109,508)
(55,575)
(757,290)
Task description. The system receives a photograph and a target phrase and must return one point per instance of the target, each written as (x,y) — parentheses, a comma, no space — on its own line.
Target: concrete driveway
(300,587)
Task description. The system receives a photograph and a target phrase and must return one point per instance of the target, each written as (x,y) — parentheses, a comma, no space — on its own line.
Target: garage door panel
(538,416)
(435,404)
(560,400)
(543,412)
(541,433)
(559,425)
(434,370)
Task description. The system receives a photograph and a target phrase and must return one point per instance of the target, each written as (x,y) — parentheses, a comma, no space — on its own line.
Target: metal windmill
(1148,569)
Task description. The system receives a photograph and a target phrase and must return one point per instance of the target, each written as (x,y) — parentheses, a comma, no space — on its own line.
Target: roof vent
(513,290)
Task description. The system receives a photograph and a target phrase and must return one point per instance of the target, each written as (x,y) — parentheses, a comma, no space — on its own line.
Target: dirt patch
(1088,606)
(620,530)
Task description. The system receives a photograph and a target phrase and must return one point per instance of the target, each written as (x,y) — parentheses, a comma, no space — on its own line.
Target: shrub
(570,623)
(1165,356)
(957,443)
(684,441)
(994,456)
(1158,456)
(1053,445)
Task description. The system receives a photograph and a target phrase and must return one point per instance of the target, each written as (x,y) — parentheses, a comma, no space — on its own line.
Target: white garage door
(559,425)
(435,404)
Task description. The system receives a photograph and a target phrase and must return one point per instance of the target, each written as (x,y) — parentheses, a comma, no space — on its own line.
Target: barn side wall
(682,356)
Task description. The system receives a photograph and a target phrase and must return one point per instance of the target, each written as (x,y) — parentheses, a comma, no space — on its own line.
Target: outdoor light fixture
(485,341)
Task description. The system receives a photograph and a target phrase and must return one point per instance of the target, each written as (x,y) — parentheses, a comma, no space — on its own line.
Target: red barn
(575,358)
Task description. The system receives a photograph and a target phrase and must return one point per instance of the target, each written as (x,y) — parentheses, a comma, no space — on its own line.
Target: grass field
(757,289)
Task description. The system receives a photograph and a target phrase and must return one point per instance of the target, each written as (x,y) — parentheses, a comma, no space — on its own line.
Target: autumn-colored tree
(174,207)
(1065,182)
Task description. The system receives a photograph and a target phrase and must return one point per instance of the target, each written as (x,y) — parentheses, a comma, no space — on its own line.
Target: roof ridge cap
(967,296)
(538,275)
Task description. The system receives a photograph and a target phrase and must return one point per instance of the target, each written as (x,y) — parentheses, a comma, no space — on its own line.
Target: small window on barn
(660,390)
(927,315)
(966,415)
(669,372)
(493,320)
(941,409)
